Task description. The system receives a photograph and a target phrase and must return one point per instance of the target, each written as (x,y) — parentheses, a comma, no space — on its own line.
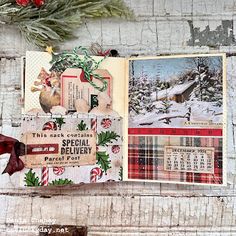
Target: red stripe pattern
(94,124)
(175,131)
(95,174)
(58,170)
(45,176)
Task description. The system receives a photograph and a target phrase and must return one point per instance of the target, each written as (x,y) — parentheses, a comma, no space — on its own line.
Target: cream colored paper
(223,125)
(119,70)
(59,148)
(36,60)
(189,159)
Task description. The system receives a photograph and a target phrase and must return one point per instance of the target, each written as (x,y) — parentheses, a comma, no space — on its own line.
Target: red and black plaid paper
(146,159)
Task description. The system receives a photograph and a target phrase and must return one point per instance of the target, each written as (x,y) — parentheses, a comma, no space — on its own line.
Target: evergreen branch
(31,179)
(61,182)
(60,121)
(82,126)
(103,161)
(57,20)
(107,137)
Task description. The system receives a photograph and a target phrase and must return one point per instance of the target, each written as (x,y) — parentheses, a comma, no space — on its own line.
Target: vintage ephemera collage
(159,119)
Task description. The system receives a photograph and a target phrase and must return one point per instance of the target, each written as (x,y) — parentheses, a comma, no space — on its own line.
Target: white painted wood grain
(127,215)
(160,27)
(126,209)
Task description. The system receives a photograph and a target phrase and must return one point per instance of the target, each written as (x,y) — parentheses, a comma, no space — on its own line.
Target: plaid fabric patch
(146,159)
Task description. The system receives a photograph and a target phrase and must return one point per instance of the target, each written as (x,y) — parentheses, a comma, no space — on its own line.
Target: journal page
(72,121)
(176,119)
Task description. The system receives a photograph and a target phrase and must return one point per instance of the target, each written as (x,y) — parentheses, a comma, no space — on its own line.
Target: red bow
(15,149)
(97,50)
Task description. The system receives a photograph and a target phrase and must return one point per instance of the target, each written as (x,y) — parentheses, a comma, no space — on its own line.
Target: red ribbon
(15,149)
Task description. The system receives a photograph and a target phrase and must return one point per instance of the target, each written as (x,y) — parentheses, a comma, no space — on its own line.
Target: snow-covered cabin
(179,93)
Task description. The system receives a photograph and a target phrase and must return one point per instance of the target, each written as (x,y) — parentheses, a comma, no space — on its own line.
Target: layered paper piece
(160,119)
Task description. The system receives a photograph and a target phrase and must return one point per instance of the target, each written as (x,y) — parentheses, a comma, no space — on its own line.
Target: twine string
(86,63)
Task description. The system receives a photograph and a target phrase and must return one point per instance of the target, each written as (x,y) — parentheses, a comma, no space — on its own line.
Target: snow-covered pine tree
(217,89)
(134,106)
(209,82)
(140,90)
(134,97)
(166,104)
(210,88)
(157,86)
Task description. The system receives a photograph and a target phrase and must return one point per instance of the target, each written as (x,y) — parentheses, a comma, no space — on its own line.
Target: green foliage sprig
(82,126)
(107,137)
(61,182)
(103,160)
(57,20)
(32,180)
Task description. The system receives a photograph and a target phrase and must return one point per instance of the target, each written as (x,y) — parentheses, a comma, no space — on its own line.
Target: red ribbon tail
(15,163)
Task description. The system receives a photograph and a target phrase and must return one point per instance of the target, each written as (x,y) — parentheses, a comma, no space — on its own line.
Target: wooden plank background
(161,27)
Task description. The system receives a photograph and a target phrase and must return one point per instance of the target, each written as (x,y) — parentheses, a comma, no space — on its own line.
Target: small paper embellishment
(58,170)
(106,123)
(115,149)
(189,159)
(74,87)
(104,106)
(59,149)
(49,87)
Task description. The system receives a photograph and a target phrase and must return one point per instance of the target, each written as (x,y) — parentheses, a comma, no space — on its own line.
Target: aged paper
(59,148)
(189,159)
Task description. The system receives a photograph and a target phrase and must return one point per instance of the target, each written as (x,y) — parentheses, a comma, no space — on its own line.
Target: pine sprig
(31,179)
(61,182)
(103,160)
(60,121)
(107,137)
(82,126)
(57,20)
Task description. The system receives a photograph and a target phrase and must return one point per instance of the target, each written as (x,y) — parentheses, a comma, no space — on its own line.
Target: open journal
(89,119)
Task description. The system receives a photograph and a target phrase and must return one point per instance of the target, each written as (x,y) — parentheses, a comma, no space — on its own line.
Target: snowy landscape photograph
(178,92)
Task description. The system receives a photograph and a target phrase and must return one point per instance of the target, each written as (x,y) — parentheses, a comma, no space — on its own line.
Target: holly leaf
(31,179)
(82,126)
(103,161)
(61,182)
(107,137)
(60,121)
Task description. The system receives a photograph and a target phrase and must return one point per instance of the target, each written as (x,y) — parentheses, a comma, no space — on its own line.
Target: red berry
(38,3)
(23,3)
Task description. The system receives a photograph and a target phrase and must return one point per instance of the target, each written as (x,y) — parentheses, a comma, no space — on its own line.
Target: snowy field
(177,116)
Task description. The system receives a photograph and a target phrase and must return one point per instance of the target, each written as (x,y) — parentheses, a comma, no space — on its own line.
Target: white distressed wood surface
(161,27)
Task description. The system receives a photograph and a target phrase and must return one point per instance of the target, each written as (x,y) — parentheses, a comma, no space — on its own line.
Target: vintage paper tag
(57,148)
(74,86)
(189,159)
